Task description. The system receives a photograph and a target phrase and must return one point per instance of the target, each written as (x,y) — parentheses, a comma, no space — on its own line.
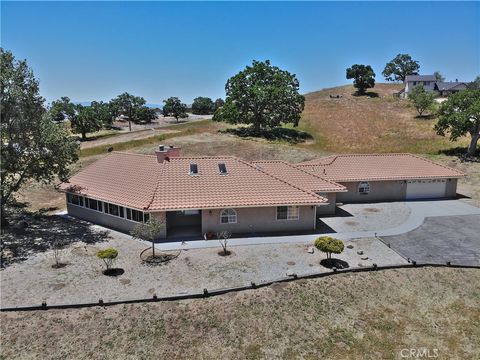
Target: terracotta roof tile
(120,178)
(357,167)
(298,176)
(139,181)
(244,185)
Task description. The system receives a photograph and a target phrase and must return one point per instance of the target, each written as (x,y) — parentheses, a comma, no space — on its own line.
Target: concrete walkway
(419,211)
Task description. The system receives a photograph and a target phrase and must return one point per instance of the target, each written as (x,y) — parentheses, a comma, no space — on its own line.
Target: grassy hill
(377,122)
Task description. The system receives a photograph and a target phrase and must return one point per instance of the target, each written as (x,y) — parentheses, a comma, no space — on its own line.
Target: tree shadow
(31,233)
(426,117)
(292,136)
(461,153)
(370,94)
(337,263)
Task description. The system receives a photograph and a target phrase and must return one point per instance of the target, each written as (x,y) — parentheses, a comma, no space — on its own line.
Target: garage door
(426,189)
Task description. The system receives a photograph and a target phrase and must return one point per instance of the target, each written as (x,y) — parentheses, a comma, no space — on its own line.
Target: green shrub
(329,245)
(108,256)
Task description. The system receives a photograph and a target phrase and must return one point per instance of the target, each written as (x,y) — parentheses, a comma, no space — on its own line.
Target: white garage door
(426,189)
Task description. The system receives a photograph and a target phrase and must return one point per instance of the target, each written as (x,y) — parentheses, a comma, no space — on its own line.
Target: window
(414,83)
(228,216)
(75,199)
(364,188)
(288,212)
(193,169)
(113,209)
(146,217)
(426,83)
(93,204)
(222,168)
(134,215)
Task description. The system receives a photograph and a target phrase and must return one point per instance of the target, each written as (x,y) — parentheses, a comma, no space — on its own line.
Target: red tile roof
(244,185)
(139,181)
(120,178)
(358,167)
(299,176)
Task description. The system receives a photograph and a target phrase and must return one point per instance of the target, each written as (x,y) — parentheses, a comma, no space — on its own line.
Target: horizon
(95,51)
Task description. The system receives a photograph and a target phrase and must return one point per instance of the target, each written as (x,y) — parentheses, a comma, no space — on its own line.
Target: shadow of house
(32,233)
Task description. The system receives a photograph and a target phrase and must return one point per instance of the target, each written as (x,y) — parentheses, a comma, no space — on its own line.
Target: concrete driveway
(441,239)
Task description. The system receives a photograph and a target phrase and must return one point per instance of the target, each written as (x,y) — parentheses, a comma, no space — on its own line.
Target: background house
(430,83)
(447,88)
(411,81)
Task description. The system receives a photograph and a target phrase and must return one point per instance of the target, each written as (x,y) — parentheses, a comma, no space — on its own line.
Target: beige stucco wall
(451,190)
(329,208)
(385,191)
(379,191)
(258,220)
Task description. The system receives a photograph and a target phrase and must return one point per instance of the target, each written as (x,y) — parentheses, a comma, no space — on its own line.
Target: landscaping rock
(350,246)
(310,250)
(291,273)
(360,252)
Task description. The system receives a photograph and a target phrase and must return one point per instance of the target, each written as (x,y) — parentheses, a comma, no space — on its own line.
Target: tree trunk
(153,248)
(473,145)
(84,135)
(129,124)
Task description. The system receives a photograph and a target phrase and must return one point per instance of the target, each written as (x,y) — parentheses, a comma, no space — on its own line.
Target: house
(386,177)
(411,81)
(447,88)
(430,83)
(198,195)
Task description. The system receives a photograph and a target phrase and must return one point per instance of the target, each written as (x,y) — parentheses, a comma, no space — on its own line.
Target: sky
(97,50)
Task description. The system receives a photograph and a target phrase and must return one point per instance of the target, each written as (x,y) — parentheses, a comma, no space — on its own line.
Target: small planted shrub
(223,238)
(329,246)
(109,256)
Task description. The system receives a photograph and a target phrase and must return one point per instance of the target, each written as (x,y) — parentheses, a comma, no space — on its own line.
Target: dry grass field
(379,122)
(351,316)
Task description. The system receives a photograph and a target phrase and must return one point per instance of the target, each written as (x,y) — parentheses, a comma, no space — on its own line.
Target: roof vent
(222,168)
(193,169)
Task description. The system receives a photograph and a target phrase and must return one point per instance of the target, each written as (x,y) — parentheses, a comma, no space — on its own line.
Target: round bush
(329,245)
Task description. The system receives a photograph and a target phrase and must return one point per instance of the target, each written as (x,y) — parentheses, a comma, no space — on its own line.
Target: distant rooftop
(420,78)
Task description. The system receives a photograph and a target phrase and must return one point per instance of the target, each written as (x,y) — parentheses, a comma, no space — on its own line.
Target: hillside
(378,122)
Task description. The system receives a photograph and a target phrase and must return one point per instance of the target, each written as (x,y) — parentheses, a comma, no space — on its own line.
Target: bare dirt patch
(368,315)
(188,272)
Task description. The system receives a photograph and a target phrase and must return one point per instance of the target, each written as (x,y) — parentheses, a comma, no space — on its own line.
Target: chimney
(165,152)
(456,80)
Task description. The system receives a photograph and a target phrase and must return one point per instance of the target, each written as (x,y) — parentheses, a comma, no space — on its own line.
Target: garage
(426,189)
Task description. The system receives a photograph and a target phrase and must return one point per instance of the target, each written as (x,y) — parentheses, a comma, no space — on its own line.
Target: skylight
(193,169)
(222,168)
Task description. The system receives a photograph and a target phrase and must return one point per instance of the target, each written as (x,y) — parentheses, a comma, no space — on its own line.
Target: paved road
(441,239)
